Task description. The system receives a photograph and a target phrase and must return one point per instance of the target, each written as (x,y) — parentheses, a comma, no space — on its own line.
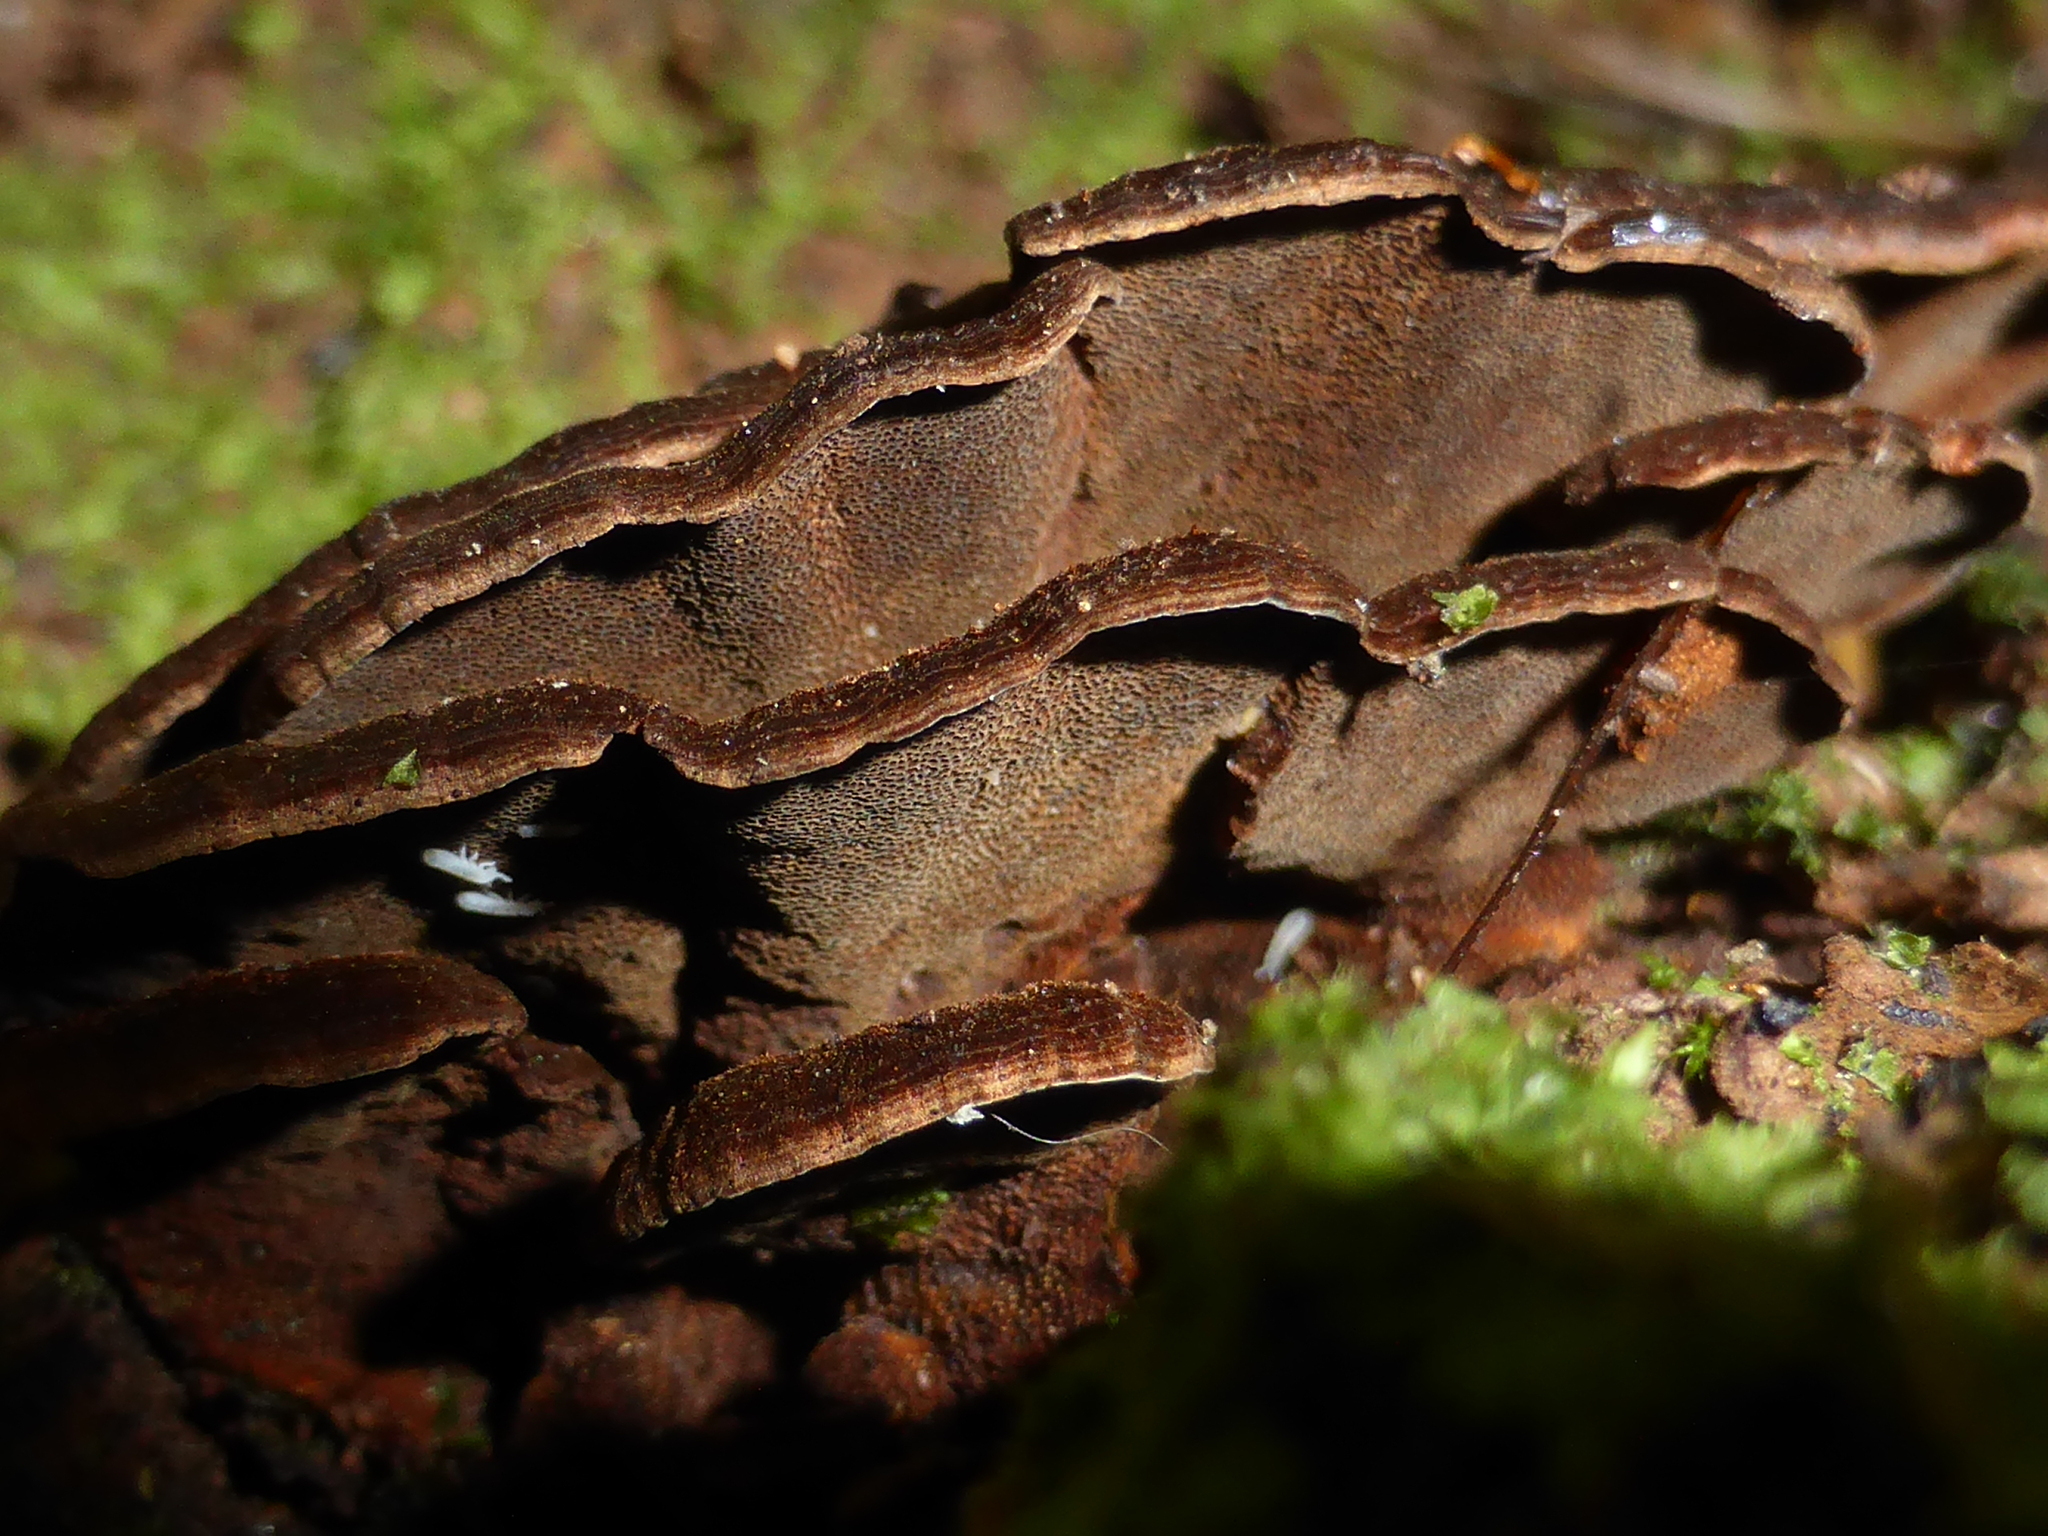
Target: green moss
(405,773)
(1662,974)
(1784,805)
(1801,1052)
(1428,1258)
(2008,587)
(1923,774)
(1694,1052)
(1868,827)
(913,1215)
(1931,767)
(1899,949)
(2023,1177)
(2016,1102)
(1878,1067)
(1927,772)
(1781,807)
(2016,1088)
(1466,610)
(222,363)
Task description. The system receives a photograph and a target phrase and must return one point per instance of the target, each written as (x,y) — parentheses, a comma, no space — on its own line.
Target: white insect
(966,1114)
(491,904)
(461,864)
(1292,932)
(479,874)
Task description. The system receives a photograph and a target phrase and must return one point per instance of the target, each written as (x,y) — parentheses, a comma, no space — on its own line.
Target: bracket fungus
(1307,514)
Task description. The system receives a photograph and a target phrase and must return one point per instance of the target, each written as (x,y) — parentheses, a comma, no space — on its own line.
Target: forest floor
(1738,1186)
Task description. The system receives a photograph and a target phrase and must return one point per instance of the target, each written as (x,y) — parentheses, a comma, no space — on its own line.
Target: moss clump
(1663,974)
(1865,826)
(1429,1270)
(1466,610)
(1800,1051)
(2008,587)
(2016,1092)
(1781,807)
(888,1222)
(1931,768)
(1694,1052)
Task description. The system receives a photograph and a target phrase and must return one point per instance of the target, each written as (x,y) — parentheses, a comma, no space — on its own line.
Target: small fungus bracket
(783,1116)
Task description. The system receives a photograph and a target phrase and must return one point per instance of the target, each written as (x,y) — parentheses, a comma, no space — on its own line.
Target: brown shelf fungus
(1331,515)
(781,1116)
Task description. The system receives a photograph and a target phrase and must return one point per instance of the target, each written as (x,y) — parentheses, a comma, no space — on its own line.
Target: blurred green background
(264,265)
(1421,1270)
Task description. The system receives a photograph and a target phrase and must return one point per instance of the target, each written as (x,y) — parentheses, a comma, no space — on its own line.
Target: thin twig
(1620,697)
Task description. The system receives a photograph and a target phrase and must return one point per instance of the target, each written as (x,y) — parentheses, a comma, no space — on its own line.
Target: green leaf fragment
(1878,1067)
(405,773)
(1902,950)
(1465,611)
(1801,1052)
